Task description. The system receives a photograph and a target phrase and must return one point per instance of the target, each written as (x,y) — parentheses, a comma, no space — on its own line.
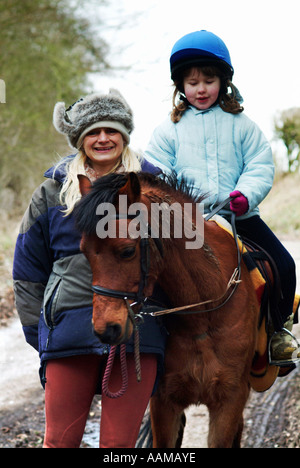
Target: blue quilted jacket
(218,152)
(52,280)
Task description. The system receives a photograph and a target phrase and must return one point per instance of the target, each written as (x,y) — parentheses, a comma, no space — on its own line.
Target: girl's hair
(70,193)
(227,100)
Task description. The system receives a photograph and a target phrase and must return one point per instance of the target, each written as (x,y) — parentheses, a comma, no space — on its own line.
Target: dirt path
(272,419)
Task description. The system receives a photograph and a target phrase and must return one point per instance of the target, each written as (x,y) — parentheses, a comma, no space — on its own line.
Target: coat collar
(59,171)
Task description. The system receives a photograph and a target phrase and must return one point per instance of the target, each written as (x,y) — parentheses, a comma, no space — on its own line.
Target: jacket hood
(59,171)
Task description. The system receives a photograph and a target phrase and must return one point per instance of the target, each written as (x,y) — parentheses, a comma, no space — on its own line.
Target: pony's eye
(129,252)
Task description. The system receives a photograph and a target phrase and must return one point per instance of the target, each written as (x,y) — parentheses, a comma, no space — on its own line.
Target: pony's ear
(84,184)
(132,188)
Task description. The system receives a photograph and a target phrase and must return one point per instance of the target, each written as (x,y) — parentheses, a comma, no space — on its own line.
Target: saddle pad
(258,281)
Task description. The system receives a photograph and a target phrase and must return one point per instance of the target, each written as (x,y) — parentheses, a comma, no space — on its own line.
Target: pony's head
(116,251)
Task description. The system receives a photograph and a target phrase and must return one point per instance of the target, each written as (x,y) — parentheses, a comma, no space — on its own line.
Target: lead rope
(135,319)
(124,372)
(137,355)
(108,370)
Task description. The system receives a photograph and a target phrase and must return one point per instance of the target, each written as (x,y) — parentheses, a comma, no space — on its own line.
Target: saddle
(256,257)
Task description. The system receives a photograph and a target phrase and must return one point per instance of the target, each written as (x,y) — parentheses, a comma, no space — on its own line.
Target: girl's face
(104,147)
(201,90)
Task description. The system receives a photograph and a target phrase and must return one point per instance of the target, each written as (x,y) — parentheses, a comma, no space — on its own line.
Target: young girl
(52,281)
(210,141)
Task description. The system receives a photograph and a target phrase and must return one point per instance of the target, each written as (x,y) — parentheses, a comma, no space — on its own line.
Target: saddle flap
(257,257)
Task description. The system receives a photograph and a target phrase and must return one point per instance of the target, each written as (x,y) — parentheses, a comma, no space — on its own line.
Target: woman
(52,281)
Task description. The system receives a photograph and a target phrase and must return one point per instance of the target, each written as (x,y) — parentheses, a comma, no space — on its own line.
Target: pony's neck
(191,275)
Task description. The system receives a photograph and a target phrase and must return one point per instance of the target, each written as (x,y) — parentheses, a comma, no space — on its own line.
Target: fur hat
(94,111)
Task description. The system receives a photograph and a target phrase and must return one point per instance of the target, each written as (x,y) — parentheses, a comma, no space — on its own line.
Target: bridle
(136,318)
(139,297)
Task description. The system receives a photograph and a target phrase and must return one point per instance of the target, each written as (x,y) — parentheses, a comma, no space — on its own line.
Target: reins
(185,309)
(234,281)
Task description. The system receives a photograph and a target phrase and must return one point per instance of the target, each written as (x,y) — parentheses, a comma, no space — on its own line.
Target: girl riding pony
(210,141)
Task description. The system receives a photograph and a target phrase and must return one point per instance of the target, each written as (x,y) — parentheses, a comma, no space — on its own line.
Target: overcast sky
(262,37)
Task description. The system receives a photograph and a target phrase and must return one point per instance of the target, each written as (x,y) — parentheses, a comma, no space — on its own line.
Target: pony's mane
(171,183)
(106,188)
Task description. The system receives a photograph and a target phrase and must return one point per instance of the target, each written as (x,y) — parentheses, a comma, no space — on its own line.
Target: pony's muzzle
(112,334)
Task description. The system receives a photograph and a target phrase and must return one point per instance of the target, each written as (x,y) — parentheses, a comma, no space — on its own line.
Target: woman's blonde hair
(70,192)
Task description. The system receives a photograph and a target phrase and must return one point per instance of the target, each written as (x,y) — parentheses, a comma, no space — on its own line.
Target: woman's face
(201,90)
(104,147)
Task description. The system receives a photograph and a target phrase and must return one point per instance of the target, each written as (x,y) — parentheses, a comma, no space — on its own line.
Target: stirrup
(287,362)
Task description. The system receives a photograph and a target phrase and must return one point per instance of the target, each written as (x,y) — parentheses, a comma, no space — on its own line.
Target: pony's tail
(181,430)
(145,437)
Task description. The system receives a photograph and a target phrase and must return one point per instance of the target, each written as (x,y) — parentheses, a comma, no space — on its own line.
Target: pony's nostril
(111,335)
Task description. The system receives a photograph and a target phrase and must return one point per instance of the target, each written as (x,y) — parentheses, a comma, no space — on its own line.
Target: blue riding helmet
(200,48)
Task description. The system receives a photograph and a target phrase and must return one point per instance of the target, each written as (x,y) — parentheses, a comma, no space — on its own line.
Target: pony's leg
(167,424)
(226,422)
(181,430)
(224,429)
(238,436)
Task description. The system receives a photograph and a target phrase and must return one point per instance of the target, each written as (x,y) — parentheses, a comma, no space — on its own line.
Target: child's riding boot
(284,347)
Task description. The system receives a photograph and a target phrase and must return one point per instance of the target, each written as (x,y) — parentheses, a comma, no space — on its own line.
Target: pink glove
(239,205)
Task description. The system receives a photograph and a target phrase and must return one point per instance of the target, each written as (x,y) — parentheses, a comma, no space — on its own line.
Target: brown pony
(209,353)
